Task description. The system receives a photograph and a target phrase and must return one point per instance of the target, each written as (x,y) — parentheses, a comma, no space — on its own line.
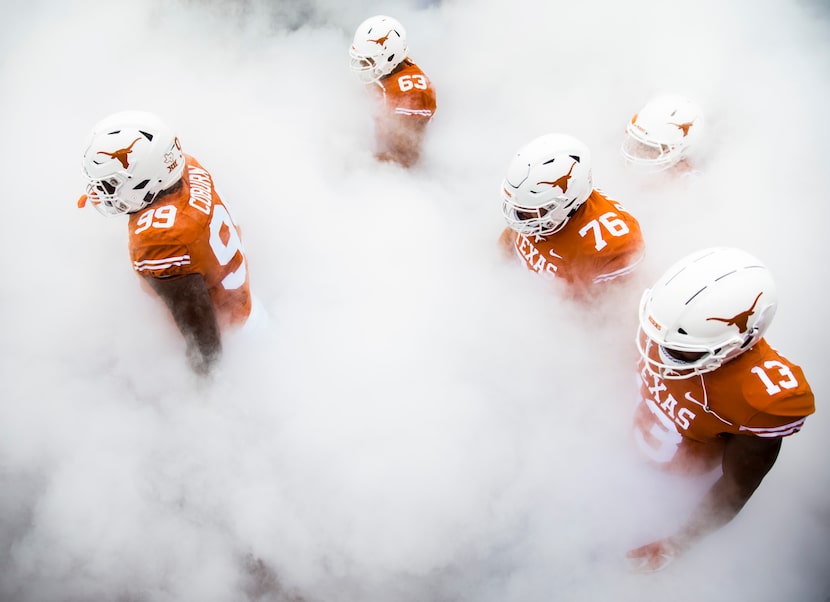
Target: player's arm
(746,461)
(402,138)
(189,302)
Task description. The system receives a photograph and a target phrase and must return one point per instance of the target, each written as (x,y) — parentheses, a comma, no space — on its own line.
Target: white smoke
(418,420)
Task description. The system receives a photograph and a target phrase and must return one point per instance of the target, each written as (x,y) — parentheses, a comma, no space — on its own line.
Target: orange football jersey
(405,104)
(679,423)
(600,242)
(407,92)
(190,231)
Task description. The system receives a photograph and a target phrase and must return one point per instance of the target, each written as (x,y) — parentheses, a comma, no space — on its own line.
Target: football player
(713,392)
(403,95)
(663,134)
(559,225)
(182,239)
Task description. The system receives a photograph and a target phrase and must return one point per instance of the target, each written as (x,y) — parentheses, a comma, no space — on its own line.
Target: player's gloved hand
(654,556)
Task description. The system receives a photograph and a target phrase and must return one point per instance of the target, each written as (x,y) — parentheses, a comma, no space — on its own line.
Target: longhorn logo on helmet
(562,182)
(740,320)
(122,154)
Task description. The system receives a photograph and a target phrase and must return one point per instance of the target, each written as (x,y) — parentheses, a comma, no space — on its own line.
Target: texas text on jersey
(680,423)
(599,243)
(191,231)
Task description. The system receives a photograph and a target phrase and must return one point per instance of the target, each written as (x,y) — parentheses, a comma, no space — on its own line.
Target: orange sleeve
(162,260)
(786,403)
(623,263)
(410,94)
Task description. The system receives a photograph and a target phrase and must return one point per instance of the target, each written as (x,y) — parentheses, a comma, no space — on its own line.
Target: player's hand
(654,556)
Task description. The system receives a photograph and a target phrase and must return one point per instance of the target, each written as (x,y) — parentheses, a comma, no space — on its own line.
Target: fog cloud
(417,420)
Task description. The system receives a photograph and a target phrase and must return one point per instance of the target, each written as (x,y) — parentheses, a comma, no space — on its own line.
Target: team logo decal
(122,154)
(684,127)
(381,41)
(655,323)
(740,319)
(561,183)
(636,125)
(170,162)
(170,157)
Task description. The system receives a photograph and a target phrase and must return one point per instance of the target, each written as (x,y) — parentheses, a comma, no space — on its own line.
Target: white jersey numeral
(664,438)
(159,217)
(610,222)
(226,250)
(788,380)
(407,82)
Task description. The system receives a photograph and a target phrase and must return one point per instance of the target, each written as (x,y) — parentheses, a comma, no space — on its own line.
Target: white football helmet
(131,157)
(546,182)
(706,309)
(379,46)
(662,133)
